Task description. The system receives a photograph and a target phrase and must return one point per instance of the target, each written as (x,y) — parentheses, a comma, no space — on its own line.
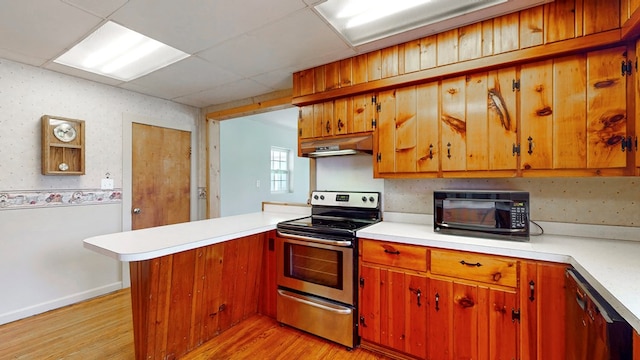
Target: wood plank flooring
(101,328)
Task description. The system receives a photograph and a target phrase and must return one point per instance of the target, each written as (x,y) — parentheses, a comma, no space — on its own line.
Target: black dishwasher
(595,331)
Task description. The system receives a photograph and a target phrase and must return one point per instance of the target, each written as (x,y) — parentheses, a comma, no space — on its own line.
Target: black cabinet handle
(532,289)
(418,294)
(328,126)
(530,140)
(392,252)
(430,151)
(449,150)
(437,302)
(362,321)
(470,264)
(340,125)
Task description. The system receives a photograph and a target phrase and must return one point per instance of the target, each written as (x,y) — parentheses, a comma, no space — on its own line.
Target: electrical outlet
(257,183)
(106,184)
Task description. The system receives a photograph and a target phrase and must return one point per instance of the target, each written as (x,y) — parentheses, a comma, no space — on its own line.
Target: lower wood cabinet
(426,303)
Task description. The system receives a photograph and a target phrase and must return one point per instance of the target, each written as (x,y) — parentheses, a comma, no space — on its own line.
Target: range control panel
(359,199)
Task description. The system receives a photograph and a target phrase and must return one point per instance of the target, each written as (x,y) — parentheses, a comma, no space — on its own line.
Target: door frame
(127,172)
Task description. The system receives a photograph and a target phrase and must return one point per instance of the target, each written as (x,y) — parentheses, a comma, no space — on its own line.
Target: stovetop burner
(336,214)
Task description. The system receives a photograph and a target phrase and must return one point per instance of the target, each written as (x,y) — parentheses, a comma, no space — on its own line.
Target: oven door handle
(341,311)
(316,240)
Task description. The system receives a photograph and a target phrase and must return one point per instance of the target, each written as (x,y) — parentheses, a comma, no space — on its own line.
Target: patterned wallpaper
(27,93)
(599,200)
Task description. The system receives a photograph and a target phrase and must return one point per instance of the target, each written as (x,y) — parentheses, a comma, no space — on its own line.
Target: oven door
(319,267)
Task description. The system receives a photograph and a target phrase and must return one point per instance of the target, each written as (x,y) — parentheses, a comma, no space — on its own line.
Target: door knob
(137,211)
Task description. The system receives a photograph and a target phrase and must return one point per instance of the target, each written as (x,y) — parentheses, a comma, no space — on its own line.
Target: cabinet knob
(137,211)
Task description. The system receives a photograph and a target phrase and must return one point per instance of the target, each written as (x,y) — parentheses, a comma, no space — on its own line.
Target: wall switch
(106,184)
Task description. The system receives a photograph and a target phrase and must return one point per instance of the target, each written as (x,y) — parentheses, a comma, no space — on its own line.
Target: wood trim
(258,107)
(561,48)
(631,28)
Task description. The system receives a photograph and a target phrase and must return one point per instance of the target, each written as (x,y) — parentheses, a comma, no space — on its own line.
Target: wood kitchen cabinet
(349,115)
(407,134)
(573,112)
(453,309)
(542,300)
(392,290)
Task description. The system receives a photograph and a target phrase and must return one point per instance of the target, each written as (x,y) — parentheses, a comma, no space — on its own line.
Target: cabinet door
(362,114)
(502,120)
(405,130)
(369,303)
(340,113)
(453,133)
(606,108)
(536,109)
(386,132)
(305,122)
(468,321)
(427,149)
(542,299)
(328,119)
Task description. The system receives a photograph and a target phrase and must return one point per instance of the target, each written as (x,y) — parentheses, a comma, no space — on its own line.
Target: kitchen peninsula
(189,266)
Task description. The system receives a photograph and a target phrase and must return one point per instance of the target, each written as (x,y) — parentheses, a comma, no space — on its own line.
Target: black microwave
(492,214)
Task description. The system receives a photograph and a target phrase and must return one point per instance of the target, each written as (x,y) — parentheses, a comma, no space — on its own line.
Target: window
(281,170)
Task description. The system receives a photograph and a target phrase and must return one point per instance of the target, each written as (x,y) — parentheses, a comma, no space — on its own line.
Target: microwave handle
(467,227)
(483,200)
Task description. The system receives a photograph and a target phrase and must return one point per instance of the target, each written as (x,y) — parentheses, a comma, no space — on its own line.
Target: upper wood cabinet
(342,116)
(573,112)
(407,133)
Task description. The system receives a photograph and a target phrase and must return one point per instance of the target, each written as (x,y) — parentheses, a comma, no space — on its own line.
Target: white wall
(42,262)
(245,152)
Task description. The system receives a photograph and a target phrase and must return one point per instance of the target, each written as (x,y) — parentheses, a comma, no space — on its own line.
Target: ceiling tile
(102,8)
(279,45)
(195,25)
(188,76)
(277,80)
(42,29)
(226,93)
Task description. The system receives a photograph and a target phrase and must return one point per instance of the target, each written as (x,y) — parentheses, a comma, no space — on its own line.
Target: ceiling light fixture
(120,53)
(363,21)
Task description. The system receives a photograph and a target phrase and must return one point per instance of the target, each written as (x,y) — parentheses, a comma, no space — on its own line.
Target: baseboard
(58,303)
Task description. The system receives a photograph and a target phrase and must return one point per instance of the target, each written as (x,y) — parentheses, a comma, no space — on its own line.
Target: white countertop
(154,242)
(610,266)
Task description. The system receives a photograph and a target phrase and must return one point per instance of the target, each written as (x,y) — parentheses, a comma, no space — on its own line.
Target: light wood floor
(101,328)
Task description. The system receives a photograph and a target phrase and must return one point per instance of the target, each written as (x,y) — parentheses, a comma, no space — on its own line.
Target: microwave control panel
(519,215)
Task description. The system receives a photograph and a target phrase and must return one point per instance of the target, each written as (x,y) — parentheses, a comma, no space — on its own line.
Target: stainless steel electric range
(317,264)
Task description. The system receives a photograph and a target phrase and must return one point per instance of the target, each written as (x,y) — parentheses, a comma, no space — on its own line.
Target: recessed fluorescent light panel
(363,21)
(117,52)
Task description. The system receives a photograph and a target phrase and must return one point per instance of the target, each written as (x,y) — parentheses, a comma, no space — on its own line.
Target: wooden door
(386,132)
(161,174)
(362,114)
(305,122)
(569,117)
(340,113)
(536,110)
(440,328)
(453,133)
(606,109)
(502,120)
(328,127)
(369,303)
(477,124)
(427,149)
(405,130)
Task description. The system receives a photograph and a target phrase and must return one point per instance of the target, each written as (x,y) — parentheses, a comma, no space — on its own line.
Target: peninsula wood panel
(182,300)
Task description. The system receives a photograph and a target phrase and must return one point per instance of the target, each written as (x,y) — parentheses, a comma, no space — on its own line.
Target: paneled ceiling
(240,48)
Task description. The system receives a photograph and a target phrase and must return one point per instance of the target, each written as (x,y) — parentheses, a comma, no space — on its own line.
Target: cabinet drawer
(477,267)
(396,255)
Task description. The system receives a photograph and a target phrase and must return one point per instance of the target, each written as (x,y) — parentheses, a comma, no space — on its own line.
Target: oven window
(314,265)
